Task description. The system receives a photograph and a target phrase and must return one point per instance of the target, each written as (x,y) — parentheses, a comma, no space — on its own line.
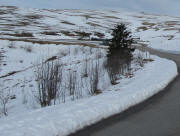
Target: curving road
(158,116)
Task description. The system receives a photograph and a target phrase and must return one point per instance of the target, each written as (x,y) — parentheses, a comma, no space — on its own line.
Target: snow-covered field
(31,37)
(66,118)
(35,25)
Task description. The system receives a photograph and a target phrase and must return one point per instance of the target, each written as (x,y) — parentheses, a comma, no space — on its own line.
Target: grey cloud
(152,6)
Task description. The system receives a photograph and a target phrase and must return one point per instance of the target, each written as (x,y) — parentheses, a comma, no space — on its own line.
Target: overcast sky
(152,6)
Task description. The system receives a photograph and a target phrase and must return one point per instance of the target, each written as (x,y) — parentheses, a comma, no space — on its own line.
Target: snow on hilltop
(158,31)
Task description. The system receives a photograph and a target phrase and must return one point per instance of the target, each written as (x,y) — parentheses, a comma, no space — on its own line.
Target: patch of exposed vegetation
(33,17)
(93,24)
(66,22)
(22,34)
(141,28)
(67,33)
(82,34)
(149,24)
(49,33)
(100,35)
(112,17)
(23,23)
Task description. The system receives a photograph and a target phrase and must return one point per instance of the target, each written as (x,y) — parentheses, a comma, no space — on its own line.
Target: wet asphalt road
(158,116)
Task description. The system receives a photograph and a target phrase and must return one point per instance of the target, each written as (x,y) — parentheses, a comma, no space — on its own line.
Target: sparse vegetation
(49,33)
(67,33)
(68,23)
(69,72)
(141,28)
(33,17)
(4,99)
(100,35)
(120,53)
(83,34)
(117,65)
(22,34)
(94,79)
(28,48)
(11,45)
(48,77)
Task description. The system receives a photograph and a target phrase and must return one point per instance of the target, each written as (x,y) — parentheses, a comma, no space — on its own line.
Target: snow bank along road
(158,116)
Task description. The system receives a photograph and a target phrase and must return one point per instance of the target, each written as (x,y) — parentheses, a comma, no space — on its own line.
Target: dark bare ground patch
(149,24)
(67,33)
(68,23)
(2,12)
(112,17)
(172,29)
(100,35)
(138,16)
(93,24)
(82,34)
(10,74)
(141,28)
(22,34)
(172,23)
(51,59)
(33,17)
(147,60)
(49,33)
(23,23)
(89,16)
(51,42)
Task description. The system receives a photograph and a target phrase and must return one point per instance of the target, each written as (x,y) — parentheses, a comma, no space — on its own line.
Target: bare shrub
(94,78)
(71,82)
(48,77)
(11,45)
(78,90)
(90,51)
(4,99)
(61,94)
(143,57)
(63,53)
(140,59)
(74,85)
(117,64)
(75,51)
(24,96)
(100,35)
(82,34)
(28,48)
(85,68)
(1,58)
(99,54)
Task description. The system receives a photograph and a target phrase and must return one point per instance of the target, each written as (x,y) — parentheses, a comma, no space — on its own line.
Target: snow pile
(67,118)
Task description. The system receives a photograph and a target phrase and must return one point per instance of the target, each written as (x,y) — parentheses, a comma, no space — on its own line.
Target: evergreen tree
(121,38)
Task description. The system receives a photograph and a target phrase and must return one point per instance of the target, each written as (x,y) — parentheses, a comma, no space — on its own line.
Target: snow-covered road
(158,116)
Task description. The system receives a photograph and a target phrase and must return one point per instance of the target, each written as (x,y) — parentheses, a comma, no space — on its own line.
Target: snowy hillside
(34,42)
(34,25)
